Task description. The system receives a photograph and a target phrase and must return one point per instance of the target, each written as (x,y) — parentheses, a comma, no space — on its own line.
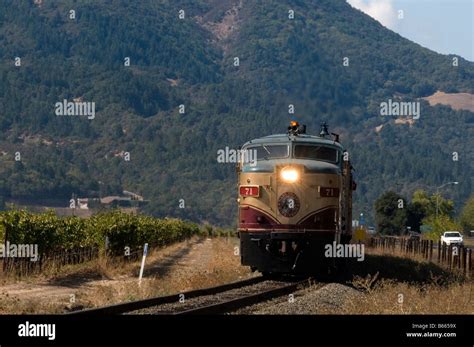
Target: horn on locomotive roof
(324,130)
(296,129)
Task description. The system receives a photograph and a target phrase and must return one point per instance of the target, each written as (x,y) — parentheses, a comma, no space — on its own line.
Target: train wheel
(343,269)
(268,275)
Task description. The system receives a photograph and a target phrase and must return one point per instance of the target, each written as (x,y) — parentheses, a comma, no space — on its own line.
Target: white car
(452,238)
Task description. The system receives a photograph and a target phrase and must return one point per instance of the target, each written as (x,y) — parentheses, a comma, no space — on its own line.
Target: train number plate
(250,191)
(327,192)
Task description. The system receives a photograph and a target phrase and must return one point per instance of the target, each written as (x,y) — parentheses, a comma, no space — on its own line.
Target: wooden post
(470,261)
(464,254)
(431,250)
(460,254)
(442,253)
(5,262)
(439,252)
(450,256)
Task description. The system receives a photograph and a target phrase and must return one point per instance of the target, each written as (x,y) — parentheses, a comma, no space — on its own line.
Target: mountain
(182,98)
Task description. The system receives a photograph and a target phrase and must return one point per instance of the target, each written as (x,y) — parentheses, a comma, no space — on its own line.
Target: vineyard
(73,240)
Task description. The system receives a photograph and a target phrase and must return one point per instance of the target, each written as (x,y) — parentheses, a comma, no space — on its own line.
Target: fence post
(450,256)
(439,252)
(464,260)
(145,251)
(470,261)
(460,253)
(431,250)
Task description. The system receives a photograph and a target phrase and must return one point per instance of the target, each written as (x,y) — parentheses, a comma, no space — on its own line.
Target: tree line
(427,213)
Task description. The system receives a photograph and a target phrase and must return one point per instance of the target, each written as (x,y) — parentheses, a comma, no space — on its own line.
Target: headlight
(289,175)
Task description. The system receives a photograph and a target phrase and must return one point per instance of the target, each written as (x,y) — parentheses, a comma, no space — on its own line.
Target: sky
(444,26)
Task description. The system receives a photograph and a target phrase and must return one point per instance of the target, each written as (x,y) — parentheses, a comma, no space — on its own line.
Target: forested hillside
(188,58)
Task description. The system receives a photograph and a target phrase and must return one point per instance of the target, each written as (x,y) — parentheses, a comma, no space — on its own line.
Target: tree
(467,215)
(421,198)
(428,203)
(440,225)
(391,213)
(415,215)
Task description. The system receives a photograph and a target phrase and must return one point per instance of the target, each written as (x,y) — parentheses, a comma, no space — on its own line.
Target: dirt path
(188,265)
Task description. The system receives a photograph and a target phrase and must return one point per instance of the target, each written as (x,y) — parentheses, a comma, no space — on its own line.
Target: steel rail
(244,301)
(156,301)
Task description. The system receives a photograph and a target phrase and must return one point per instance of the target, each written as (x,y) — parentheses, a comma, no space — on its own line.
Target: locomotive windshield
(265,152)
(316,153)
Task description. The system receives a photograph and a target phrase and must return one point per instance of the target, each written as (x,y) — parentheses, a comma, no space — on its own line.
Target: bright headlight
(289,175)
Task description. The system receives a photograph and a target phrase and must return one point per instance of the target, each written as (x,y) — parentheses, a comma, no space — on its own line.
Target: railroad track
(214,300)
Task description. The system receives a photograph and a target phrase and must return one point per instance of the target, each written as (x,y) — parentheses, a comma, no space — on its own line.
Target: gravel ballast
(318,299)
(190,303)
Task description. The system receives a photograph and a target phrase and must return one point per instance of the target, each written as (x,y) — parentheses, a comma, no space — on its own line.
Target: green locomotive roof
(285,138)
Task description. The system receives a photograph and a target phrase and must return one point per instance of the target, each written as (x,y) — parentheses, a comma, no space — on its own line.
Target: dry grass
(14,305)
(469,242)
(386,284)
(395,284)
(391,297)
(98,268)
(222,266)
(457,101)
(177,268)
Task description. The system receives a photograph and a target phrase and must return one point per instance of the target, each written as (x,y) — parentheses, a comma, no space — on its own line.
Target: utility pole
(437,196)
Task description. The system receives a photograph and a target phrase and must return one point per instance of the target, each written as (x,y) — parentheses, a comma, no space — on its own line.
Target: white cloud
(381,10)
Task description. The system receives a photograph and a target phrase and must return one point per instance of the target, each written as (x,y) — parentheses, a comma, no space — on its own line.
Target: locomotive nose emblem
(288,204)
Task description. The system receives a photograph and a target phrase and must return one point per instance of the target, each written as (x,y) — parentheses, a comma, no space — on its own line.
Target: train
(294,198)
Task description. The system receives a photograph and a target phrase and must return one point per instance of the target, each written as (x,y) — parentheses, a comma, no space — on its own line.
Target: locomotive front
(295,197)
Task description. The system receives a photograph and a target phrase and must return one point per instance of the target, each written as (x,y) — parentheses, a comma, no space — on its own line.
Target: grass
(469,242)
(101,282)
(385,283)
(394,284)
(391,297)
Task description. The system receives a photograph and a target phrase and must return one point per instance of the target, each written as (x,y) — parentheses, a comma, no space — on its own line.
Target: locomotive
(295,197)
